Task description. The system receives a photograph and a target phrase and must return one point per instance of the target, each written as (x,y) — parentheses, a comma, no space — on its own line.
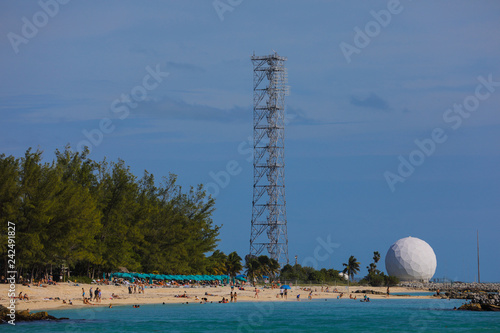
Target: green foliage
(299,273)
(233,264)
(97,216)
(391,280)
(217,263)
(351,267)
(377,278)
(81,279)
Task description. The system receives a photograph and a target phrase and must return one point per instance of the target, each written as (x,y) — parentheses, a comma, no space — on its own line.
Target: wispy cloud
(184,67)
(371,102)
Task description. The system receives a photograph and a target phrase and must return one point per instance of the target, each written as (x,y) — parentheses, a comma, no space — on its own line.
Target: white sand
(39,295)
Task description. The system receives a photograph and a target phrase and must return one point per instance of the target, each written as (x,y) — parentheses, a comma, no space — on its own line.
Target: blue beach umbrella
(285,286)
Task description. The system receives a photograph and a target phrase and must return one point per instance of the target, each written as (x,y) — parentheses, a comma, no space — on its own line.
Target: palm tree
(274,268)
(351,268)
(233,264)
(376,257)
(217,263)
(373,266)
(264,265)
(253,267)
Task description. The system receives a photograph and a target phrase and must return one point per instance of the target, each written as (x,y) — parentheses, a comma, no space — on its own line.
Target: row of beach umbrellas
(171,277)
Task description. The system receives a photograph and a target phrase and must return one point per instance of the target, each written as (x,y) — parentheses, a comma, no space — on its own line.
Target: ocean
(417,315)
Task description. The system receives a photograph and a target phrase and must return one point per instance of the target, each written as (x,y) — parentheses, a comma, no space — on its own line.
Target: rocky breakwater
(482,302)
(6,316)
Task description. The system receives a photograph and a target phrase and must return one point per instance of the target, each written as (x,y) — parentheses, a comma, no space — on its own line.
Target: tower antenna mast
(269,224)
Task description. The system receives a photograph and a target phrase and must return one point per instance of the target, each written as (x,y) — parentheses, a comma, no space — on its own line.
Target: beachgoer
(387,291)
(235,297)
(298,297)
(83,293)
(232,296)
(310,295)
(256,293)
(286,293)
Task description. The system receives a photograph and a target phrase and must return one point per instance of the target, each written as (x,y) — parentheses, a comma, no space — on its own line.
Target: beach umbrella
(241,276)
(285,286)
(265,277)
(127,276)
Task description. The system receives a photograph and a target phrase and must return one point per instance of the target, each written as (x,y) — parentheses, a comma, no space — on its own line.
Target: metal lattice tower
(269,231)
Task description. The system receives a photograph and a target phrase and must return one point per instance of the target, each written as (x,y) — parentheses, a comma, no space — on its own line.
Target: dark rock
(369,291)
(24,315)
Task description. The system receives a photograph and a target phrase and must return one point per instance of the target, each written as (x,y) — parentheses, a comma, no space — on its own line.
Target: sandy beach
(52,297)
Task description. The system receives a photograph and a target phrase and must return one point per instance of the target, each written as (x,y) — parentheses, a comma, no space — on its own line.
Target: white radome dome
(411,259)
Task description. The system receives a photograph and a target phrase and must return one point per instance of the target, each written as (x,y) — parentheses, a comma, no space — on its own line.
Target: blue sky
(353,116)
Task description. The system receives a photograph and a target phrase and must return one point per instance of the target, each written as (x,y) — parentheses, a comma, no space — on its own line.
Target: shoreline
(39,296)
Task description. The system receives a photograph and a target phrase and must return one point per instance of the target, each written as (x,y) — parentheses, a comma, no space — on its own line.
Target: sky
(393,124)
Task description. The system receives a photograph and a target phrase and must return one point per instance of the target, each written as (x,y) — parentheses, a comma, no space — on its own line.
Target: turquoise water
(420,293)
(305,316)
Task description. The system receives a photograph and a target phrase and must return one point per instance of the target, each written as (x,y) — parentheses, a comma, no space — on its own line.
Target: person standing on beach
(232,296)
(286,293)
(90,294)
(83,293)
(387,291)
(256,293)
(235,297)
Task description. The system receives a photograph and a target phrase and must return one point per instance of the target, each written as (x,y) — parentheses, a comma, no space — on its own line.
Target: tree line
(87,217)
(91,217)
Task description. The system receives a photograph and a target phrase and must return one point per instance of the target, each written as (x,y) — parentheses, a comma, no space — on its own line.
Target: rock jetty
(482,302)
(6,316)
